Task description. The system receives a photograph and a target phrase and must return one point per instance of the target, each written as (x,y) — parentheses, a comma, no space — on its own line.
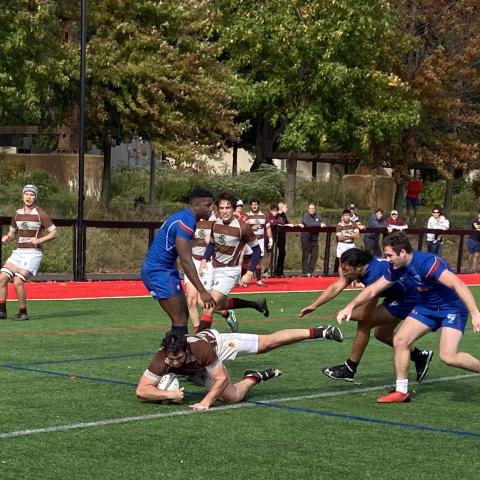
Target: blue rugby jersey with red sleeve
(421,276)
(163,252)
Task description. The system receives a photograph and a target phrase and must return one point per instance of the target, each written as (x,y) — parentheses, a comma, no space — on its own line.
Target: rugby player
(199,245)
(360,266)
(228,238)
(444,303)
(30,224)
(159,272)
(258,221)
(200,358)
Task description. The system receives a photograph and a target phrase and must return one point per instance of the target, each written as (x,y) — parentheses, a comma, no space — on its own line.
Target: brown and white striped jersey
(260,220)
(346,230)
(229,241)
(201,238)
(31,225)
(201,354)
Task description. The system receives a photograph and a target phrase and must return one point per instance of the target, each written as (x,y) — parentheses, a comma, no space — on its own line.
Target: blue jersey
(376,269)
(163,251)
(421,275)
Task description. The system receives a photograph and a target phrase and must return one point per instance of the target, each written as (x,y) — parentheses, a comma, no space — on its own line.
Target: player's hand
(35,241)
(344,315)
(308,309)
(270,243)
(389,229)
(476,323)
(199,407)
(5,239)
(176,395)
(246,279)
(207,300)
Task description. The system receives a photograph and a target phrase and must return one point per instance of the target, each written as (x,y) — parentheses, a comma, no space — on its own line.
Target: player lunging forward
(444,301)
(360,266)
(200,358)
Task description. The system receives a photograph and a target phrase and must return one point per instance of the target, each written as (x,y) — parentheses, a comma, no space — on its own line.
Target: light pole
(79,273)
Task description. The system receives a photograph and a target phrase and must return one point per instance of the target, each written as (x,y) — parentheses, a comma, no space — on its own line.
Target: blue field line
(346,416)
(87,359)
(81,377)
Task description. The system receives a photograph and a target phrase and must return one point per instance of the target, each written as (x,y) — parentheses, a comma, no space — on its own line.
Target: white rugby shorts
(343,247)
(206,277)
(225,278)
(26,259)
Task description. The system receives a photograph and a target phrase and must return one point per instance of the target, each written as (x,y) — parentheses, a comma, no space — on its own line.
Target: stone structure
(370,191)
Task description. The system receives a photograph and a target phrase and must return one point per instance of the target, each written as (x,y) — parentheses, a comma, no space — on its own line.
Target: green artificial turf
(78,361)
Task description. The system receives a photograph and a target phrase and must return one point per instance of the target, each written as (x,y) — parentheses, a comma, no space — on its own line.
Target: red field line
(135,288)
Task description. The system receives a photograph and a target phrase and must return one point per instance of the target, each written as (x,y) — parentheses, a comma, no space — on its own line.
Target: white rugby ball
(168,382)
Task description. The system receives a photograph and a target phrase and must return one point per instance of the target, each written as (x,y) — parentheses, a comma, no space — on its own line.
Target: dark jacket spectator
(371,240)
(309,241)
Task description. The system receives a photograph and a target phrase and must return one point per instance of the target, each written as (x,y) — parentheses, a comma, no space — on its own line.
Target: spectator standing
(474,244)
(309,240)
(239,213)
(347,232)
(272,219)
(371,240)
(414,189)
(438,222)
(394,222)
(281,239)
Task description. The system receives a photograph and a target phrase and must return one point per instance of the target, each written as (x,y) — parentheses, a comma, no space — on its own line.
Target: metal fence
(116,249)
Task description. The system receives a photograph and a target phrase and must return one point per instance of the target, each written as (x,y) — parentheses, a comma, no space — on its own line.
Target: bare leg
(235,392)
(3,286)
(176,308)
(449,354)
(192,302)
(407,334)
(281,338)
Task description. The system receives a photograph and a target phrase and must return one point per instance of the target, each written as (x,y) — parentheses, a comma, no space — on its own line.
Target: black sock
(3,307)
(414,354)
(181,329)
(352,365)
(240,303)
(23,310)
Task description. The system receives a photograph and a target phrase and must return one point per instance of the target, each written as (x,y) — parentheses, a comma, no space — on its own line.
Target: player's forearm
(467,298)
(215,392)
(150,393)
(330,293)
(50,236)
(365,296)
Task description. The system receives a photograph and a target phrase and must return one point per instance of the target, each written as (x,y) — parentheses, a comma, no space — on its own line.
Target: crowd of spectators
(349,232)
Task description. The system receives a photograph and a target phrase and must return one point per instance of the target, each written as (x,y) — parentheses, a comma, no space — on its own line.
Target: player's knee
(448,358)
(400,342)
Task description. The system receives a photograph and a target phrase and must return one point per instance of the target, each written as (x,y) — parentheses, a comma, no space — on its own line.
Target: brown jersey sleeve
(158,366)
(248,236)
(205,353)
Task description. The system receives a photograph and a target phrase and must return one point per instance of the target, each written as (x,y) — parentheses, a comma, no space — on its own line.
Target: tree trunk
(399,196)
(235,160)
(107,171)
(448,201)
(290,182)
(153,171)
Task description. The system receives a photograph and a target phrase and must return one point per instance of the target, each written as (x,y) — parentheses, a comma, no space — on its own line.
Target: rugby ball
(168,382)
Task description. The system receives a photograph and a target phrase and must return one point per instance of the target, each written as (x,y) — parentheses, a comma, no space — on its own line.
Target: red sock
(205,322)
(230,303)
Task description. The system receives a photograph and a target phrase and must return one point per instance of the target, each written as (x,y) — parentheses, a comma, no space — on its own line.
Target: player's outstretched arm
(450,280)
(147,390)
(220,378)
(369,293)
(331,292)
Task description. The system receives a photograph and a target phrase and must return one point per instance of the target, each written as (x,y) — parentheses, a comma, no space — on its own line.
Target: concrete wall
(63,167)
(370,191)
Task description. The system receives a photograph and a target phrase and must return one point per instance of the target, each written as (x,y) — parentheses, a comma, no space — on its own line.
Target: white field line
(117,421)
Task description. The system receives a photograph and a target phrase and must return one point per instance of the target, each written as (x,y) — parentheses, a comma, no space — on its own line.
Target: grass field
(68,408)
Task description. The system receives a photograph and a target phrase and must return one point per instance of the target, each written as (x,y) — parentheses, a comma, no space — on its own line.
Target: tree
(443,70)
(152,71)
(323,75)
(33,84)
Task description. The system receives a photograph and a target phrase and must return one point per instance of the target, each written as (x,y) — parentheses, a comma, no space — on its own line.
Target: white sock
(402,385)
